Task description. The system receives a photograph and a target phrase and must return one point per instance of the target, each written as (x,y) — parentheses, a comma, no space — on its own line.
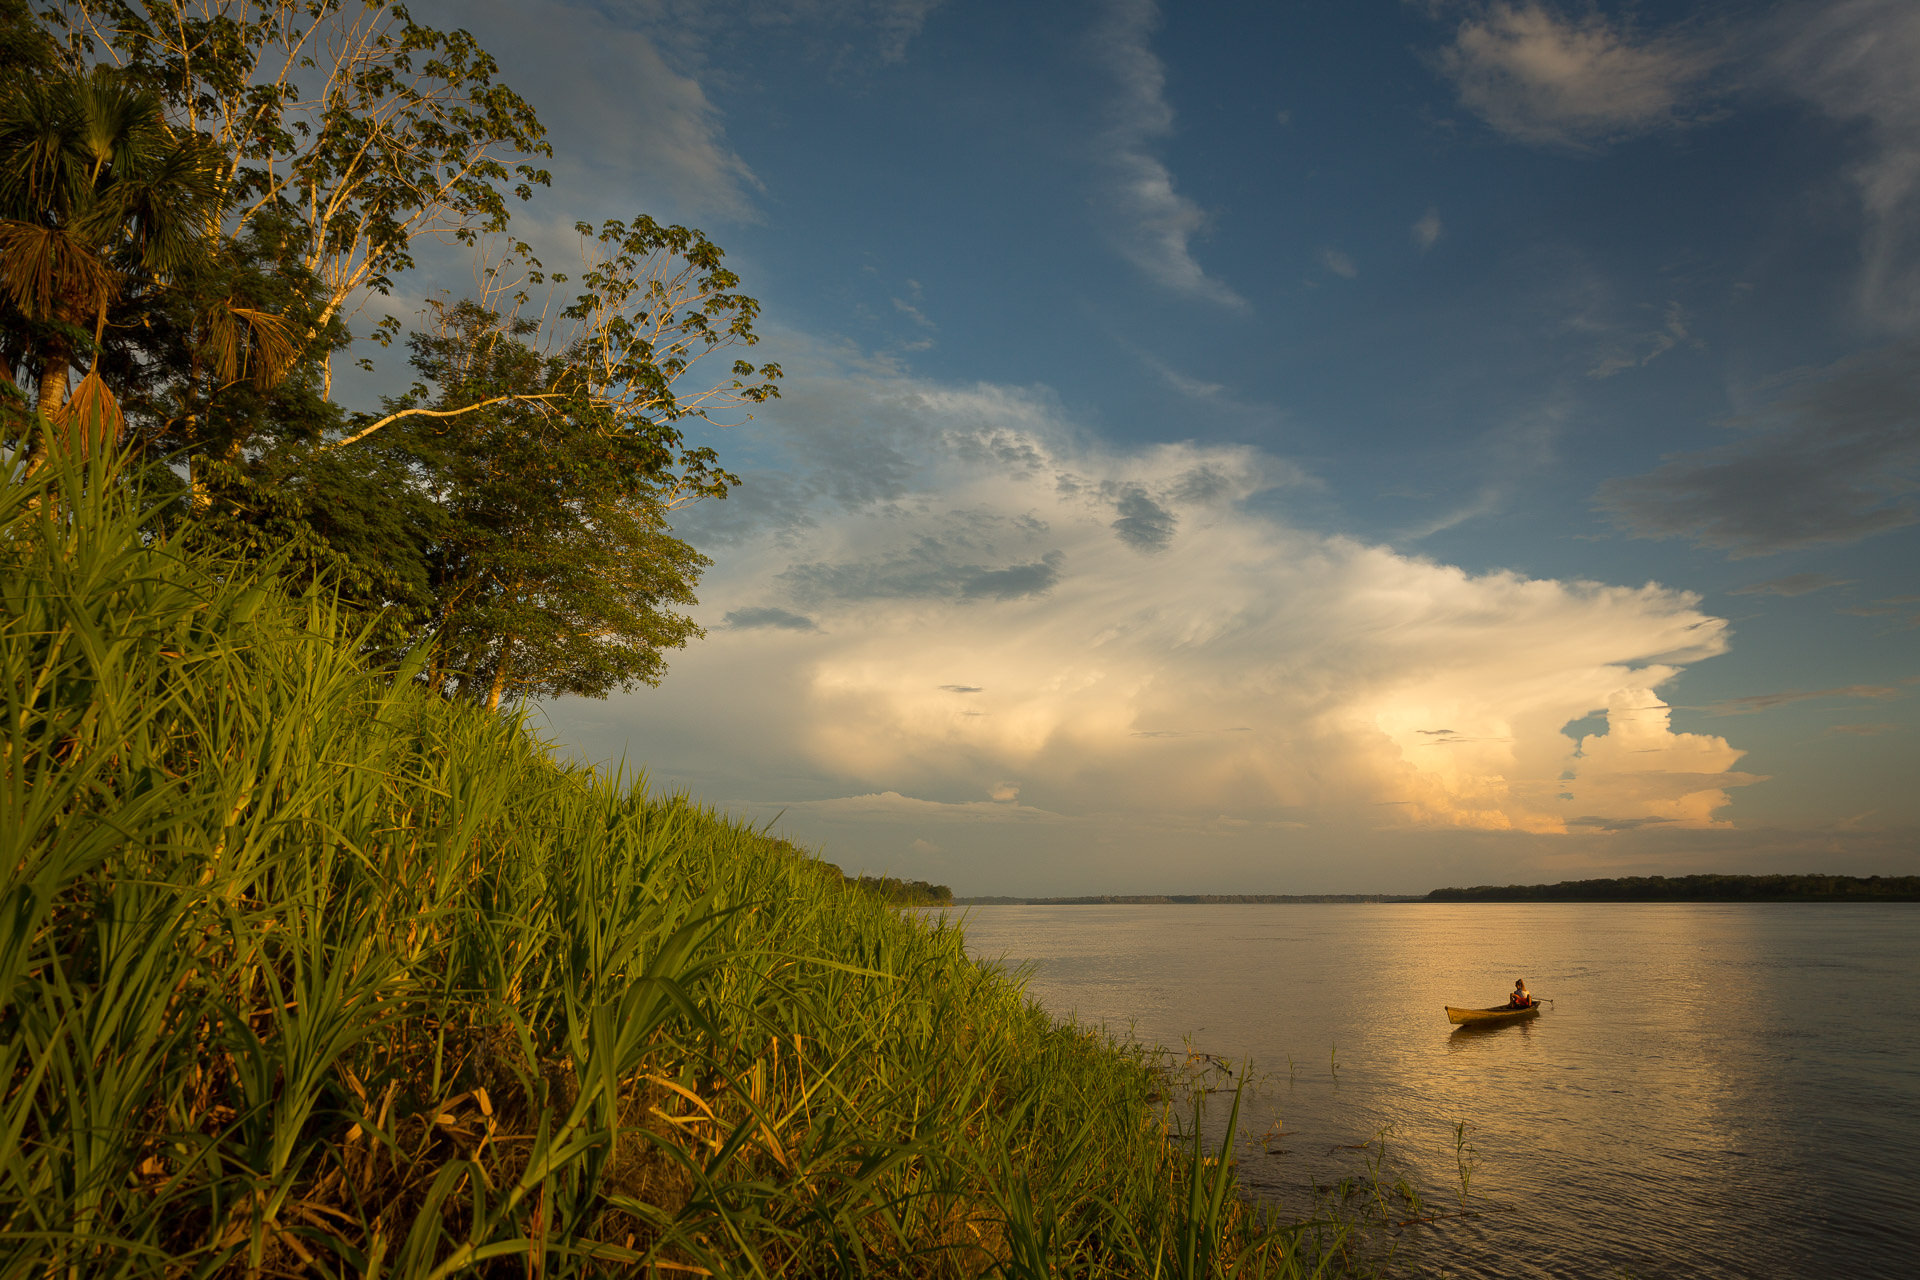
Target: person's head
(1519,984)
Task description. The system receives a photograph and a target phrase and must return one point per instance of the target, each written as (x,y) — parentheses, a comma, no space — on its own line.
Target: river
(1716,1090)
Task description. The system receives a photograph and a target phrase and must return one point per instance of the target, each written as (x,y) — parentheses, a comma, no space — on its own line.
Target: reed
(306,971)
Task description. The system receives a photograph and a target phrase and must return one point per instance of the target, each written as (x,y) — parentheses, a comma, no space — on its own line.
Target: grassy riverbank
(304,971)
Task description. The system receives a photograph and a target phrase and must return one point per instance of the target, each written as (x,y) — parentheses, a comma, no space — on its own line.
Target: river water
(1717,1090)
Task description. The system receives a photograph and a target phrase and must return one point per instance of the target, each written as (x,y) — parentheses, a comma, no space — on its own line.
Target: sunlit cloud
(1152,224)
(1021,624)
(1542,78)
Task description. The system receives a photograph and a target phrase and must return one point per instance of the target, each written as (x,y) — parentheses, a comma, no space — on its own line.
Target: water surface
(1717,1090)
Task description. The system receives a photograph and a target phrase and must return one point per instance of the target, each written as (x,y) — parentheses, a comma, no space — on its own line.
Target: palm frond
(46,271)
(90,421)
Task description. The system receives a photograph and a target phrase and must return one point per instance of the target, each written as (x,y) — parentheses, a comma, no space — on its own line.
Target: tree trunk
(500,673)
(53,386)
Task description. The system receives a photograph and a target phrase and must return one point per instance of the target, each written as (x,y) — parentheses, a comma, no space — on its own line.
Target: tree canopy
(198,198)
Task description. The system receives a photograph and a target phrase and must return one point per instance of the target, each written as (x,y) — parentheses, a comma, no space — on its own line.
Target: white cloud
(994,642)
(1153,225)
(1545,79)
(1339,263)
(1856,61)
(1428,230)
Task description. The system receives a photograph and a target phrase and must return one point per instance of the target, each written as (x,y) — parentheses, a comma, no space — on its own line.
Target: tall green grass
(304,971)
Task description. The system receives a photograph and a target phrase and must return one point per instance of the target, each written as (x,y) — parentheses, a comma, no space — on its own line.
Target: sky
(1283,448)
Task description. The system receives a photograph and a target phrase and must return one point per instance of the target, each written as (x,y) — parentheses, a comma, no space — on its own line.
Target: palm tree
(96,191)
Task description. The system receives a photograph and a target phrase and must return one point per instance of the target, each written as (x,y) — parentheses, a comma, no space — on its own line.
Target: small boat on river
(1488,1017)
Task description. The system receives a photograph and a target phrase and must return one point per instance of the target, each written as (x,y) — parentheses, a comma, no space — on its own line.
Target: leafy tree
(555,570)
(655,302)
(373,129)
(516,505)
(96,191)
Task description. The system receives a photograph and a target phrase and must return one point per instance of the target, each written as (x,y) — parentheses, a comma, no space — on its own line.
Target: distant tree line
(906,893)
(1701,888)
(1157,899)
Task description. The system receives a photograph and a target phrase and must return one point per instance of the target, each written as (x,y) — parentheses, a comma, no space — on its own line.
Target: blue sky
(1285,448)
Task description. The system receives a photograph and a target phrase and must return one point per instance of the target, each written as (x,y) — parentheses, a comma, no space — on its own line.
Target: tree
(96,191)
(516,504)
(554,570)
(656,301)
(372,129)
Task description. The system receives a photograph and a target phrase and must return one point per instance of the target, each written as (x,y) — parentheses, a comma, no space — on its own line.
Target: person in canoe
(1522,998)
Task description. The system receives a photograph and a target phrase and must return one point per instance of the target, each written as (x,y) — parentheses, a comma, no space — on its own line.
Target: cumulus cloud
(1152,224)
(1834,459)
(1030,627)
(1546,79)
(1856,60)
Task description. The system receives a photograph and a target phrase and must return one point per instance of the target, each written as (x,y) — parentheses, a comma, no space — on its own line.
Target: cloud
(657,141)
(1428,230)
(925,572)
(893,805)
(767,616)
(1644,348)
(1767,701)
(1890,607)
(1338,263)
(1833,459)
(1855,60)
(1577,82)
(1793,584)
(1144,524)
(1153,226)
(847,34)
(1241,666)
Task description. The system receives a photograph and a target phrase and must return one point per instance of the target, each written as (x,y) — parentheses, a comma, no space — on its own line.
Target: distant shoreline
(1182,899)
(1703,888)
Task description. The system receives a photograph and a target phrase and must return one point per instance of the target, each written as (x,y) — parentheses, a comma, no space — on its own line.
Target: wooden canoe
(1499,1013)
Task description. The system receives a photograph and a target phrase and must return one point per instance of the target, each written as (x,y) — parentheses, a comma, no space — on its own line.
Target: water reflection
(1680,1109)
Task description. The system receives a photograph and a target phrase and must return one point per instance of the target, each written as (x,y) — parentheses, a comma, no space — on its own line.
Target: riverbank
(306,971)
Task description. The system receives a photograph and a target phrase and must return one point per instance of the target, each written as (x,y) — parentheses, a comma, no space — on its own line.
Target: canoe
(1499,1013)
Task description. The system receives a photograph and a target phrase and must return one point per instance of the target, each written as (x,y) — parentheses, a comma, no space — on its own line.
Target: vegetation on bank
(904,893)
(1703,888)
(309,969)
